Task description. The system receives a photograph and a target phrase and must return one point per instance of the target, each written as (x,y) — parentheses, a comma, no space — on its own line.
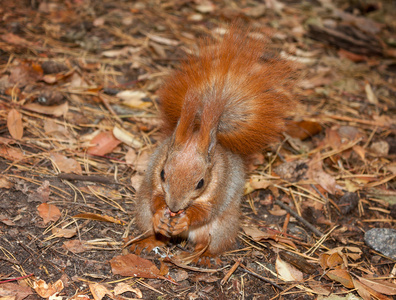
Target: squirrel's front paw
(179,224)
(161,222)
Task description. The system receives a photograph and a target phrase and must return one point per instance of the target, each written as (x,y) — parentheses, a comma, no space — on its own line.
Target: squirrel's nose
(175,207)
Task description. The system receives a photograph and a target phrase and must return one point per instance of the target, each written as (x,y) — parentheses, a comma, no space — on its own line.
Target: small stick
(230,272)
(93,178)
(286,223)
(302,220)
(261,277)
(16,278)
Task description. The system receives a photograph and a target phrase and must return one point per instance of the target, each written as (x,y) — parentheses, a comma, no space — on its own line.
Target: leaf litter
(78,103)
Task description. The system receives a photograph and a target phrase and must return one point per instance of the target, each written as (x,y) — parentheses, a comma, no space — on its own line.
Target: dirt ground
(78,109)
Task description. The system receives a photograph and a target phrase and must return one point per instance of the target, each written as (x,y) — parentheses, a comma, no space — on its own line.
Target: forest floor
(78,110)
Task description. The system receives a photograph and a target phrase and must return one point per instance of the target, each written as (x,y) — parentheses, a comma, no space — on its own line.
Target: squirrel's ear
(208,144)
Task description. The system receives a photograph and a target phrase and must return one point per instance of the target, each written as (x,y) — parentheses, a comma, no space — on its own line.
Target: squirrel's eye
(200,184)
(162,175)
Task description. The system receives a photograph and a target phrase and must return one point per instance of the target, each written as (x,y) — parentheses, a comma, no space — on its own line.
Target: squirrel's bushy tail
(236,88)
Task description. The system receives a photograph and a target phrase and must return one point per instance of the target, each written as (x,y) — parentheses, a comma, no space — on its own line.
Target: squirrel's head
(186,172)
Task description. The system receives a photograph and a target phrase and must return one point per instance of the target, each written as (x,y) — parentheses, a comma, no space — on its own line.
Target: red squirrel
(220,106)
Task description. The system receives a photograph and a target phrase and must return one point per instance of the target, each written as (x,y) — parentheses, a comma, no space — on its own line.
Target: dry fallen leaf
(5,183)
(334,260)
(256,182)
(48,212)
(6,220)
(287,271)
(303,129)
(66,165)
(103,143)
(255,233)
(342,276)
(122,287)
(380,286)
(14,124)
(361,289)
(99,291)
(316,173)
(64,232)
(53,129)
(56,110)
(47,290)
(133,265)
(76,246)
(371,97)
(14,291)
(10,153)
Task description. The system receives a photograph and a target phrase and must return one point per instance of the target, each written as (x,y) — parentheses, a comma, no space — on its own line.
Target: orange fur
(232,88)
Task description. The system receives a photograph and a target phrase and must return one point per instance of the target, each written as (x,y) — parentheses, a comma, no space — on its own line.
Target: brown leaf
(122,287)
(66,165)
(334,260)
(48,212)
(64,232)
(287,271)
(5,183)
(303,129)
(316,173)
(258,235)
(47,290)
(342,276)
(374,294)
(76,246)
(323,257)
(10,153)
(332,138)
(103,143)
(55,110)
(16,291)
(15,40)
(256,182)
(255,233)
(380,286)
(41,194)
(6,220)
(25,74)
(359,150)
(361,289)
(133,265)
(99,291)
(14,124)
(319,288)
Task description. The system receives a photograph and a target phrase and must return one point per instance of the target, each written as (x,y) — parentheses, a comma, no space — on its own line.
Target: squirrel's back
(236,88)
